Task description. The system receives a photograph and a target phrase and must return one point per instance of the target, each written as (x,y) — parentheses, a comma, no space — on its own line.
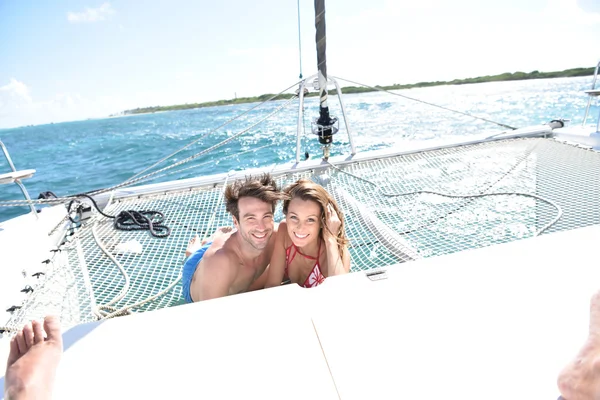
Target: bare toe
(28,335)
(21,342)
(52,328)
(14,353)
(193,245)
(38,332)
(31,371)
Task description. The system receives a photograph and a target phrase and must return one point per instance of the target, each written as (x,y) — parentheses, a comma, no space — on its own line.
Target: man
(234,261)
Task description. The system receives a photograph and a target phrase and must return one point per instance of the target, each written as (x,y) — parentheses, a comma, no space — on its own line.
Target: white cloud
(14,91)
(404,42)
(263,52)
(91,14)
(18,108)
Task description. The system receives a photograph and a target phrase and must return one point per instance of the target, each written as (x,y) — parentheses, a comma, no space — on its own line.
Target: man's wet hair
(262,187)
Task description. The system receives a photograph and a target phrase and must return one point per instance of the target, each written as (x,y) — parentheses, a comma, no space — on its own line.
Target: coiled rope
(131,220)
(108,310)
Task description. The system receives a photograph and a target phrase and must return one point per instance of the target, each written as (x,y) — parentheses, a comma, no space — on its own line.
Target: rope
(524,157)
(254,150)
(87,282)
(20,203)
(135,220)
(429,104)
(127,309)
(457,196)
(132,220)
(186,160)
(125,288)
(213,131)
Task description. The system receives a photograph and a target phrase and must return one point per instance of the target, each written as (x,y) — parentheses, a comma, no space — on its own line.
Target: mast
(325,125)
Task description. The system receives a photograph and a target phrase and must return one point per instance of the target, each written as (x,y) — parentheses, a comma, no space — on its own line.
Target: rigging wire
(428,103)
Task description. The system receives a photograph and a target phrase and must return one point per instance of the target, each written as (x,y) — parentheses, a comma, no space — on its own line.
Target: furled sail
(325,124)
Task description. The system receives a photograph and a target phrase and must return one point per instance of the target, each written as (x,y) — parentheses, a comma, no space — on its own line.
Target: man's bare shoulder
(220,258)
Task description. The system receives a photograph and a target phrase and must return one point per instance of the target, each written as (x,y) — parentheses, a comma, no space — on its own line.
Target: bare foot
(33,359)
(195,243)
(221,231)
(581,378)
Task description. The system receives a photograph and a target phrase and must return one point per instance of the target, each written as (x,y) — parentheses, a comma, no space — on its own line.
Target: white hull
(493,323)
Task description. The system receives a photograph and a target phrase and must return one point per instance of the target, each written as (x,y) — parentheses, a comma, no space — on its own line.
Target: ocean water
(75,157)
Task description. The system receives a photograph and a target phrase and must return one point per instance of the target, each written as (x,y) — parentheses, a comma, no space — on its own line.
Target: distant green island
(507,76)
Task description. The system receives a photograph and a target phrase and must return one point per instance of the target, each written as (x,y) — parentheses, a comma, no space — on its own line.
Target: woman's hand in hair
(333,222)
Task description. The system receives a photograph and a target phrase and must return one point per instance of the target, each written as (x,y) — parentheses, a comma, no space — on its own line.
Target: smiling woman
(311,243)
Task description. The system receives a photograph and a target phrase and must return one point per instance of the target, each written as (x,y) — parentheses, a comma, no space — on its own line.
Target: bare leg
(32,361)
(193,245)
(195,242)
(221,231)
(581,378)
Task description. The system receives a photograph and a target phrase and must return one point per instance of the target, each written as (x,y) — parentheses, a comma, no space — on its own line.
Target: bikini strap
(306,255)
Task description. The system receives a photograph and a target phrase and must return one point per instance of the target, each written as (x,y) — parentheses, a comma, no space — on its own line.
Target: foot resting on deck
(581,378)
(33,360)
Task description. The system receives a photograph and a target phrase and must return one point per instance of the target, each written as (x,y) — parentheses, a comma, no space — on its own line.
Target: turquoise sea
(75,157)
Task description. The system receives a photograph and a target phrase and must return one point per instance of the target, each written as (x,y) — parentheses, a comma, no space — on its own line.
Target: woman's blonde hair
(308,190)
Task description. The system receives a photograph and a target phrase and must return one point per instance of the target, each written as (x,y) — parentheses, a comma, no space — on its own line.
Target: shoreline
(507,76)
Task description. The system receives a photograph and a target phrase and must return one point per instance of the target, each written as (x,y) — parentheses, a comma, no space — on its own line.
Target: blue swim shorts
(189,267)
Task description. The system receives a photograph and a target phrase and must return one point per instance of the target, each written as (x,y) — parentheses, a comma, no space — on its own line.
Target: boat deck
(397,209)
(495,323)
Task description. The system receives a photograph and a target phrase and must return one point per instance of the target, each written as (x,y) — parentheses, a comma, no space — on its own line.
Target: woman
(311,244)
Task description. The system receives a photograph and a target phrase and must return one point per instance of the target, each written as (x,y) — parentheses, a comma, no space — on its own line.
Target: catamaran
(473,263)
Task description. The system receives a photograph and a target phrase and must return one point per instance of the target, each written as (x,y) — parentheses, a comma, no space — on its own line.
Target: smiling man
(235,261)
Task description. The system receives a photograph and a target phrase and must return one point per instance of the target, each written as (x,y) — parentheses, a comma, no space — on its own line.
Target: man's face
(256,222)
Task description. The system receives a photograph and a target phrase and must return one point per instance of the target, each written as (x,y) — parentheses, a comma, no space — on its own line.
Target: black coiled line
(132,220)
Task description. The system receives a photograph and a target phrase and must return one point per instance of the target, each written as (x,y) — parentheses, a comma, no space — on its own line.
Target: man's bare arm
(259,283)
(213,278)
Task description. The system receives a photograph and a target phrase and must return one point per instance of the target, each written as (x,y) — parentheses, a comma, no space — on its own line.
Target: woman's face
(303,221)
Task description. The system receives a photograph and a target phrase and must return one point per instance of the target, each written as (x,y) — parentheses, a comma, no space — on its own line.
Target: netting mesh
(388,219)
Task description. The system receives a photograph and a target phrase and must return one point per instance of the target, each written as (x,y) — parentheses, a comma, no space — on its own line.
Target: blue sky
(68,60)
